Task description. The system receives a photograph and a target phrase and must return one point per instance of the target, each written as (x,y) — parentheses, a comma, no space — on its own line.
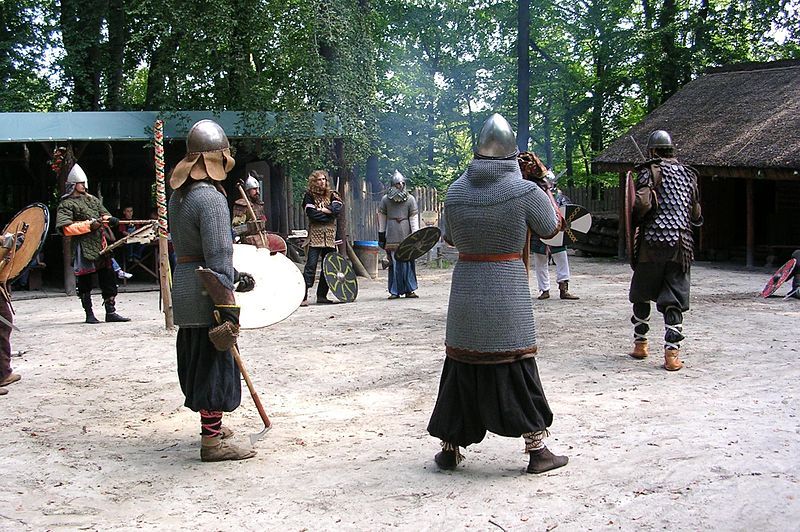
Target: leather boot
(215,449)
(641,348)
(563,287)
(671,360)
(544,295)
(86,303)
(542,460)
(111,311)
(448,460)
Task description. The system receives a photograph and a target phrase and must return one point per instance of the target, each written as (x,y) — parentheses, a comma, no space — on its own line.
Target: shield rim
(630,194)
(11,275)
(330,277)
(409,242)
(772,286)
(294,306)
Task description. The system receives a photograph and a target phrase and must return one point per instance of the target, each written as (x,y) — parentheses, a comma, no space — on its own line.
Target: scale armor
(671,225)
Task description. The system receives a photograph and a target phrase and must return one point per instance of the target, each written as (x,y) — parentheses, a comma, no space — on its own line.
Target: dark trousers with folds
(5,339)
(314,256)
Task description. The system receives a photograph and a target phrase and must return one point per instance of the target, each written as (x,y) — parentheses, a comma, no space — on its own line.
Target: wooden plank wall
(362,218)
(597,200)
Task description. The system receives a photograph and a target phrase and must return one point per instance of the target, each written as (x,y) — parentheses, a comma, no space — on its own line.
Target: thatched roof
(736,121)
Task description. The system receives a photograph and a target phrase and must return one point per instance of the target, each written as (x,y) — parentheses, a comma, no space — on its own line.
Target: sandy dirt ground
(95,435)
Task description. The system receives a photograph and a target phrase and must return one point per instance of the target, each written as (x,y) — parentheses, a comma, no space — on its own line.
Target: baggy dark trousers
(209,379)
(505,399)
(663,282)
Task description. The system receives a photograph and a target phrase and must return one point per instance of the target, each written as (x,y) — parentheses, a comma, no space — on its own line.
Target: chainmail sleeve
(540,213)
(218,250)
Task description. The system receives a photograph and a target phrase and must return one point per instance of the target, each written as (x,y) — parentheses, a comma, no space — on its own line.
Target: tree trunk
(117,31)
(523,74)
(81,24)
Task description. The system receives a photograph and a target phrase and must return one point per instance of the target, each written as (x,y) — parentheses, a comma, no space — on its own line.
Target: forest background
(410,80)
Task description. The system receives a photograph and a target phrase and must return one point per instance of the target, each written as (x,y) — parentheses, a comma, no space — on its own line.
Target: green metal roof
(138,125)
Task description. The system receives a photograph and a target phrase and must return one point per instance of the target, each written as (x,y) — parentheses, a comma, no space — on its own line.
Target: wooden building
(738,126)
(116,151)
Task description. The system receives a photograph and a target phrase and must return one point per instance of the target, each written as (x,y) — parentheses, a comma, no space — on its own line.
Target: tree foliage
(410,80)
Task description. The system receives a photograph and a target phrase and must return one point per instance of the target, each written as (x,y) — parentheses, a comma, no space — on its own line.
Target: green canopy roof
(138,126)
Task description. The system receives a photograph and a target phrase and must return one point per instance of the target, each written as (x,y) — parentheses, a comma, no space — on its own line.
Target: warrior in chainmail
(200,228)
(398,218)
(322,205)
(83,218)
(666,207)
(534,170)
(244,227)
(490,380)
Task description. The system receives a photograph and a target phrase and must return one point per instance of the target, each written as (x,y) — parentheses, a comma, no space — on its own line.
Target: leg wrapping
(673,325)
(640,321)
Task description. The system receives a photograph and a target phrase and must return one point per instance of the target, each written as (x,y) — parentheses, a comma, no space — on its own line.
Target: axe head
(255,437)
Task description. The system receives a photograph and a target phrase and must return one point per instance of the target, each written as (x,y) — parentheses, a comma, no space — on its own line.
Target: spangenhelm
(496,139)
(77,175)
(208,154)
(397,177)
(252,181)
(659,139)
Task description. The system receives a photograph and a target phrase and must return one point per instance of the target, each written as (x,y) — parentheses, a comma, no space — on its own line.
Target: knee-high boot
(86,303)
(111,311)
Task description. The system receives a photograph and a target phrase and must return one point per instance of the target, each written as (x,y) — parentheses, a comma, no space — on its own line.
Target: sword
(638,149)
(6,322)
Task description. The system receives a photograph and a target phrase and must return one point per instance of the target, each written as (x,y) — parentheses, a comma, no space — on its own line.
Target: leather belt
(496,257)
(191,258)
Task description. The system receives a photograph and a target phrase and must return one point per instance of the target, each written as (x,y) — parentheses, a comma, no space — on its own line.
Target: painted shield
(417,244)
(276,243)
(579,221)
(279,289)
(33,222)
(778,278)
(340,277)
(630,230)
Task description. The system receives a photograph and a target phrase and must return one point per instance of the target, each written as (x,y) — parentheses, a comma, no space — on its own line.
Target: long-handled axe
(224,296)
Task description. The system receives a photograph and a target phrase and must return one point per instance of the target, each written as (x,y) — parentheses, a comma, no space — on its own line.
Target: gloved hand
(256,226)
(111,220)
(95,225)
(246,282)
(224,335)
(20,239)
(382,239)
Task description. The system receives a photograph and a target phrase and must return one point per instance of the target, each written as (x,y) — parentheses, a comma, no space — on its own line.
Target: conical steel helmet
(397,177)
(496,139)
(77,175)
(251,181)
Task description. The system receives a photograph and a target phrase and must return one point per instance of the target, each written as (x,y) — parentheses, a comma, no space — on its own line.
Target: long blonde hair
(319,193)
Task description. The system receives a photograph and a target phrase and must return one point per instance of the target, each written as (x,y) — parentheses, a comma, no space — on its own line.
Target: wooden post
(621,214)
(751,237)
(164,273)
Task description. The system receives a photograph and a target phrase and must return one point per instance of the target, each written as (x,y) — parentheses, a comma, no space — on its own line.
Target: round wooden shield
(340,277)
(417,244)
(33,222)
(579,221)
(630,230)
(778,278)
(279,289)
(276,243)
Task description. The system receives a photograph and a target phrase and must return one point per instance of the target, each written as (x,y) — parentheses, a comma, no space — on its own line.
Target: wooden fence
(362,217)
(596,200)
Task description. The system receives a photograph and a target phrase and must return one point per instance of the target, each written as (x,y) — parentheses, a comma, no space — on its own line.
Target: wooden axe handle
(261,412)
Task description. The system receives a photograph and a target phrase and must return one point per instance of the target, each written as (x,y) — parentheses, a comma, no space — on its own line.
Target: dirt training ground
(95,435)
